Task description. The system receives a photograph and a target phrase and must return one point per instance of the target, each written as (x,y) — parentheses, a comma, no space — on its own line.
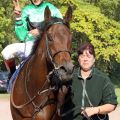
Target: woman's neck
(85,74)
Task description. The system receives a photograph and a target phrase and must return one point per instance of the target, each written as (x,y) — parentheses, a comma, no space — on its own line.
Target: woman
(92,94)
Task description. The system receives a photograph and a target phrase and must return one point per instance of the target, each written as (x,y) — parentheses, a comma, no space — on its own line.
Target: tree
(88,24)
(7,34)
(110,8)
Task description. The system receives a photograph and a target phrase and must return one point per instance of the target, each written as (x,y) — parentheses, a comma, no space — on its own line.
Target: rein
(40,92)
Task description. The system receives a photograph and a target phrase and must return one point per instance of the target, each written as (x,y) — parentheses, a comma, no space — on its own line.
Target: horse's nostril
(69,67)
(63,68)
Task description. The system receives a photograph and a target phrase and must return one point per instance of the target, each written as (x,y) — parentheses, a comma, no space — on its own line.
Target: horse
(35,90)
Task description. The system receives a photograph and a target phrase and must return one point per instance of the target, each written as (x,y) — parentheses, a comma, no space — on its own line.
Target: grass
(4,96)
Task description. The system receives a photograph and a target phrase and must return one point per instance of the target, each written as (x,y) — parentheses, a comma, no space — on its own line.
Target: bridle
(49,53)
(50,57)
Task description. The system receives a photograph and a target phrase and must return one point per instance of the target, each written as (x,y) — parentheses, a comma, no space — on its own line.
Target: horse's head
(58,45)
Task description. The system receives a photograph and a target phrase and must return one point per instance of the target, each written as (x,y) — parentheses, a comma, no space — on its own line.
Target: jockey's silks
(35,14)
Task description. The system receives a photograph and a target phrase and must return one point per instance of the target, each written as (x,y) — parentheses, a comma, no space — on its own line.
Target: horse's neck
(40,55)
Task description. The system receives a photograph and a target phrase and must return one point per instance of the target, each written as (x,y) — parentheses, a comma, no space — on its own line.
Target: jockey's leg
(11,66)
(20,50)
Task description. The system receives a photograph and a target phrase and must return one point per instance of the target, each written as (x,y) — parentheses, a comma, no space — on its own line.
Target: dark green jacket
(100,91)
(35,14)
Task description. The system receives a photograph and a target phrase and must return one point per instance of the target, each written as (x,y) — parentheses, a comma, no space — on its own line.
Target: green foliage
(101,31)
(6,25)
(5,21)
(7,34)
(110,8)
(88,24)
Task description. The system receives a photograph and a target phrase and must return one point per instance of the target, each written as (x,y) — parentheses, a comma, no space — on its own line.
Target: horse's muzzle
(65,71)
(61,76)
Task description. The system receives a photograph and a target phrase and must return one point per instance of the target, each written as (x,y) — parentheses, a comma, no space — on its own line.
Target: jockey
(35,13)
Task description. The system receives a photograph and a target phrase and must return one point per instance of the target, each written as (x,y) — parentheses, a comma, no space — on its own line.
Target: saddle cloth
(14,76)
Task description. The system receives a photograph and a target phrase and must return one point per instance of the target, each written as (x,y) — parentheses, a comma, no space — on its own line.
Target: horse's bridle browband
(47,25)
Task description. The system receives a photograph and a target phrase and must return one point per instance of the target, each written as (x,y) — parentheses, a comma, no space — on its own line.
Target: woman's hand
(17,8)
(89,111)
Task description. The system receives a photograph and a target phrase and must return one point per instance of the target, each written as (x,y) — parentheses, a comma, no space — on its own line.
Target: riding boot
(11,67)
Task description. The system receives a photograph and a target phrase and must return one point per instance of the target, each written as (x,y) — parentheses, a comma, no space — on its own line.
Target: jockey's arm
(20,24)
(21,27)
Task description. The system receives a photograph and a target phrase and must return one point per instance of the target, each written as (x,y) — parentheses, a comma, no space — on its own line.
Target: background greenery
(97,21)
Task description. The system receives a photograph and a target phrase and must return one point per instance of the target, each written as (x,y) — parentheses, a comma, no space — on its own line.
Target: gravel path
(5,110)
(6,115)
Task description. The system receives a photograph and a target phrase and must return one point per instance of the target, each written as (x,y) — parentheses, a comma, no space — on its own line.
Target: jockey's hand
(34,32)
(61,95)
(17,8)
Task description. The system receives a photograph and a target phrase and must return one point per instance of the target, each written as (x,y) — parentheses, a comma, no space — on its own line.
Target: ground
(6,115)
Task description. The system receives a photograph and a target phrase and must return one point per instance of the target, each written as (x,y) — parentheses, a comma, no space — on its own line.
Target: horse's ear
(68,15)
(47,14)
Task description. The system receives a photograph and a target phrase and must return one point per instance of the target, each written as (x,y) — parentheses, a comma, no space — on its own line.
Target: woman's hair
(86,46)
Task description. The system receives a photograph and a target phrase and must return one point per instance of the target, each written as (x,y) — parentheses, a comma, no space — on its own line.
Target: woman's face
(36,2)
(86,60)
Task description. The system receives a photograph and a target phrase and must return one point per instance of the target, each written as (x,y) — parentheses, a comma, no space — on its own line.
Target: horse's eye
(50,37)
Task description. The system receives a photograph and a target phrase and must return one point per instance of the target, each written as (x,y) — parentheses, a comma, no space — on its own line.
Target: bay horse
(34,95)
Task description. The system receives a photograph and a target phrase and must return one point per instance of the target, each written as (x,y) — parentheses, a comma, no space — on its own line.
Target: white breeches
(20,50)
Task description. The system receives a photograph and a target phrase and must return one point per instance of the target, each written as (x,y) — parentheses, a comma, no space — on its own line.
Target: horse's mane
(43,27)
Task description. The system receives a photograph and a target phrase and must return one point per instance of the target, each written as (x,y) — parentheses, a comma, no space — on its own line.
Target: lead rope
(91,105)
(83,99)
(85,94)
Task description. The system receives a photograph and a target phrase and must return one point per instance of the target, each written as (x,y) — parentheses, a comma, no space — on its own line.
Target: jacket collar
(88,78)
